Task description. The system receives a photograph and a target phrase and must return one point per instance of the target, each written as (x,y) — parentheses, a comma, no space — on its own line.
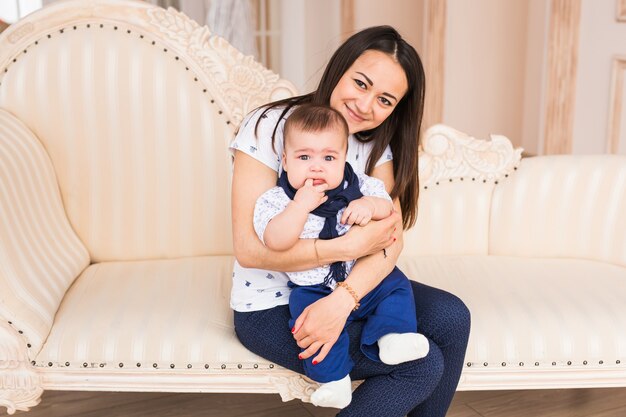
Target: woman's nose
(364,103)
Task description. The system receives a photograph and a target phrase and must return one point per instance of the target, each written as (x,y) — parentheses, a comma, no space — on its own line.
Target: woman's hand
(371,238)
(321,323)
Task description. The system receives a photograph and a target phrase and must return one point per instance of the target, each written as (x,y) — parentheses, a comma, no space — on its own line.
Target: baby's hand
(358,212)
(310,196)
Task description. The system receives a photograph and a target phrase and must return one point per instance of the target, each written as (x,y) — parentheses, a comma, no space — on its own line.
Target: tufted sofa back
(135,106)
(478,198)
(562,206)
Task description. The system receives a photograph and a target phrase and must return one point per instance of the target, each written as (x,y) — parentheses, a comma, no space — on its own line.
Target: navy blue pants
(388,308)
(420,388)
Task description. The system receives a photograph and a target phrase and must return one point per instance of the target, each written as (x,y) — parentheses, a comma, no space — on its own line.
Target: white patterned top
(274,201)
(259,289)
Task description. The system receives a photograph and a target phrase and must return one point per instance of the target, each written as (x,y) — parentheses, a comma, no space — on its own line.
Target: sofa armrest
(40,255)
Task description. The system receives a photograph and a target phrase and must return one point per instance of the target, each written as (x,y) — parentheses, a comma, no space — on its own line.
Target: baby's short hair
(315,118)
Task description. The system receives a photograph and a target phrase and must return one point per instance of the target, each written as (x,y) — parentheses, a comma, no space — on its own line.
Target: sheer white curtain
(233,20)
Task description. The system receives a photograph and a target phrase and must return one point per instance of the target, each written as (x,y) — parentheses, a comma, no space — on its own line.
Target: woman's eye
(304,157)
(329,158)
(360,83)
(385,101)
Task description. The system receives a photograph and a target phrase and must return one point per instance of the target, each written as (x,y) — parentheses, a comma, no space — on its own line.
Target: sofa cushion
(40,255)
(527,310)
(164,312)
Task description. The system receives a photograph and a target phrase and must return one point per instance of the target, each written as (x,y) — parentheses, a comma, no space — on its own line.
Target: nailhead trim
(129,31)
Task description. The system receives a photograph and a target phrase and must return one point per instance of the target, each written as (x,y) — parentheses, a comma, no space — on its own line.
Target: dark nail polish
(299,356)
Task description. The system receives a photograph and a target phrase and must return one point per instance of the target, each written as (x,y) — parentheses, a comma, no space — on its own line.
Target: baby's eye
(360,83)
(329,158)
(304,157)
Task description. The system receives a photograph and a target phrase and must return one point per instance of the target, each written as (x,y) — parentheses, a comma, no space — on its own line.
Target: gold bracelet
(352,293)
(317,255)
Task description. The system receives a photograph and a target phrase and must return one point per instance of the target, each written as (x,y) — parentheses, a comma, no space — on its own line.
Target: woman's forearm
(305,254)
(369,271)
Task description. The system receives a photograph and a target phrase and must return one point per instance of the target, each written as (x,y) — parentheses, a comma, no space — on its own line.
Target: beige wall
(601,39)
(405,15)
(485,64)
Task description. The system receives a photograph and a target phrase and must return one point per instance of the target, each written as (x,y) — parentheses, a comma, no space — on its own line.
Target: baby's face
(320,156)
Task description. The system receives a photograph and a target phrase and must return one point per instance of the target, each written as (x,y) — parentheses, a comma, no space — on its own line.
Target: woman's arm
(320,324)
(252,178)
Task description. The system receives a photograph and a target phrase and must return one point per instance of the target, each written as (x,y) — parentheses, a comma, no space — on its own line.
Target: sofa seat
(525,312)
(534,312)
(172,313)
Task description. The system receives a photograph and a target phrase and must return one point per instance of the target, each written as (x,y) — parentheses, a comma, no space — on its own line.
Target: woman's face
(369,91)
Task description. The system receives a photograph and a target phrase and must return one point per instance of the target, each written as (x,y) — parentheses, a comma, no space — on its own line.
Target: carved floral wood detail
(20,385)
(241,84)
(447,153)
(298,387)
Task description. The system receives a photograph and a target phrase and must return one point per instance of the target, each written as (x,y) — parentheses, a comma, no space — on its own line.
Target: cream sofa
(115,239)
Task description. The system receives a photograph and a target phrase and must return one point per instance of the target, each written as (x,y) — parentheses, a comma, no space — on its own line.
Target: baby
(320,196)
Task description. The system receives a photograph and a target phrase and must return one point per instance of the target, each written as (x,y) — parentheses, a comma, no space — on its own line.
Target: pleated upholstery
(562,206)
(40,255)
(442,226)
(527,310)
(139,150)
(164,312)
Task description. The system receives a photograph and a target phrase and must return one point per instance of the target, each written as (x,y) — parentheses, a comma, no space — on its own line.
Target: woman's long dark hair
(401,130)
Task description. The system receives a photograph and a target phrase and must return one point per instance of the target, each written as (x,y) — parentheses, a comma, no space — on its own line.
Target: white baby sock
(336,394)
(395,348)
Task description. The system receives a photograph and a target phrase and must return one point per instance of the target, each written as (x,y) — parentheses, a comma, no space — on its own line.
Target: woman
(376,81)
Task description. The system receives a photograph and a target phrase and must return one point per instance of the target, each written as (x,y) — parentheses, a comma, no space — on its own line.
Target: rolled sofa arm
(40,255)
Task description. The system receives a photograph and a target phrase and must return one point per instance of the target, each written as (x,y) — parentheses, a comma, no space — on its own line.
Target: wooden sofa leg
(20,385)
(294,387)
(298,387)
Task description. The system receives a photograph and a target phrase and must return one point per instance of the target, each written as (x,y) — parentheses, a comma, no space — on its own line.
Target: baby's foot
(336,394)
(395,348)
